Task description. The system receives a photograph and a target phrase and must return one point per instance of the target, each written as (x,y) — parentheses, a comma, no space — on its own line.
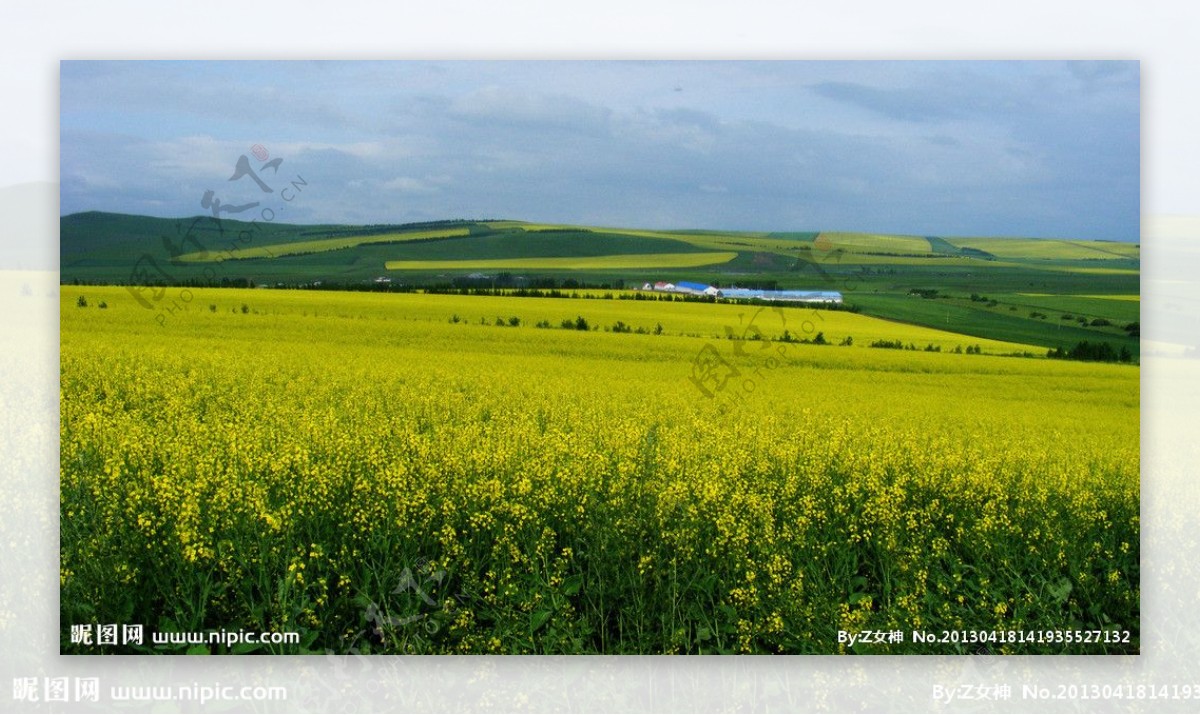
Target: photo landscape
(454,435)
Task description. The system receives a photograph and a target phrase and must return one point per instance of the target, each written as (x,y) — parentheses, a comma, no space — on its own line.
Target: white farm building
(787,296)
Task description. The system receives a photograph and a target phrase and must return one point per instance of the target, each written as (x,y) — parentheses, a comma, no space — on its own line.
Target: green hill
(1035,291)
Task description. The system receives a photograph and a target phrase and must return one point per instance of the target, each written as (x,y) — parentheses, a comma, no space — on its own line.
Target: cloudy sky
(928,148)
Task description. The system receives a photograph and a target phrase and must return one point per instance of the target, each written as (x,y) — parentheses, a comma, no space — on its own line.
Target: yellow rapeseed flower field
(439,474)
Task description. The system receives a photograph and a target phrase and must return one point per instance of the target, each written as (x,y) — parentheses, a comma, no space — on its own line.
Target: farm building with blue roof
(791,296)
(786,296)
(695,288)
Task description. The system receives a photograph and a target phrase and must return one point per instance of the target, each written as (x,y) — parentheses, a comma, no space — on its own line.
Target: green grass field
(1051,249)
(1117,309)
(961,315)
(871,243)
(1127,298)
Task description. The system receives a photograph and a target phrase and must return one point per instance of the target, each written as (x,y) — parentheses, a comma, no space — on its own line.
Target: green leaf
(537,619)
(200,649)
(572,585)
(309,638)
(1061,591)
(243,648)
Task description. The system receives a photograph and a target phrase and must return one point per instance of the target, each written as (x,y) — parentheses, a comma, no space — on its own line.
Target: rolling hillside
(1046,292)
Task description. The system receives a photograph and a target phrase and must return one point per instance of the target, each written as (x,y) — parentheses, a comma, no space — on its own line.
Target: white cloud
(361,150)
(517,106)
(409,185)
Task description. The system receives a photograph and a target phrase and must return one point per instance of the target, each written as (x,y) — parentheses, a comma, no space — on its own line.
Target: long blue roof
(781,294)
